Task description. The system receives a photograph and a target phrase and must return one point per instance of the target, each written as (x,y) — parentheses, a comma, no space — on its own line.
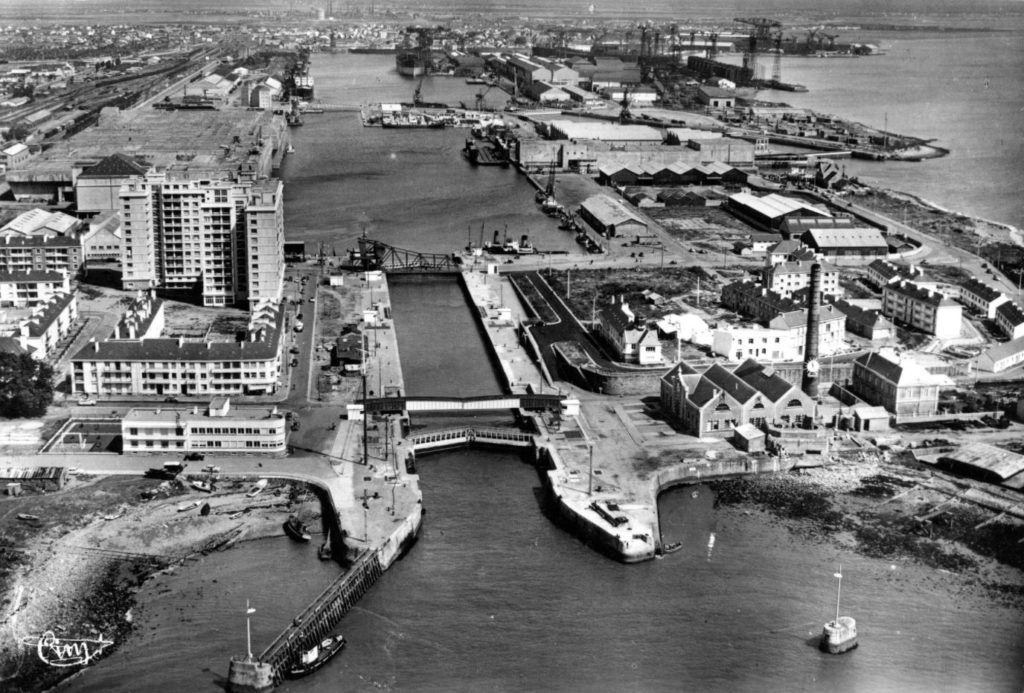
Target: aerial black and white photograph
(538,346)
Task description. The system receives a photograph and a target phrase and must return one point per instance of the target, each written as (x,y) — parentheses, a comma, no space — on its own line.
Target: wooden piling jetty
(314,623)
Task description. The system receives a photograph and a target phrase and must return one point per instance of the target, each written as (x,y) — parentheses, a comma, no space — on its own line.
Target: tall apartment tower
(221,238)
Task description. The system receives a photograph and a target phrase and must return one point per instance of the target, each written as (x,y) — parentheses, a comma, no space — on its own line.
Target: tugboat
(315,657)
(839,635)
(296,529)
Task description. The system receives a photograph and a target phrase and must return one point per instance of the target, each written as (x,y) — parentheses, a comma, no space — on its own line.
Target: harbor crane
(762,34)
(480,97)
(417,96)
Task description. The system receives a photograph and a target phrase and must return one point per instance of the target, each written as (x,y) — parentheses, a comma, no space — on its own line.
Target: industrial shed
(610,217)
(987,463)
(606,132)
(852,242)
(769,212)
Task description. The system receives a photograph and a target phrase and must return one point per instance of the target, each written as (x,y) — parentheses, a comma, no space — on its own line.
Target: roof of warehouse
(860,237)
(1003,463)
(608,211)
(605,131)
(773,205)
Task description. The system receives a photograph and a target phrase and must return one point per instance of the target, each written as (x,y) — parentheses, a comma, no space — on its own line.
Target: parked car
(87,401)
(194,457)
(171,400)
(211,469)
(312,299)
(295,362)
(294,350)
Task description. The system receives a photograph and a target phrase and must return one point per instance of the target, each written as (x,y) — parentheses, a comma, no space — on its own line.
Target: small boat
(257,489)
(204,486)
(235,516)
(672,547)
(315,657)
(25,517)
(191,505)
(324,553)
(296,529)
(839,635)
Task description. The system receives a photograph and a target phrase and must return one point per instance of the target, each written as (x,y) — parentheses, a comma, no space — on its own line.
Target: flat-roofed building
(924,309)
(610,217)
(981,297)
(215,429)
(226,236)
(605,132)
(15,154)
(1010,319)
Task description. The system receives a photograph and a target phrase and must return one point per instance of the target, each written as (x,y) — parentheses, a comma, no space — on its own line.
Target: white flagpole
(248,630)
(839,590)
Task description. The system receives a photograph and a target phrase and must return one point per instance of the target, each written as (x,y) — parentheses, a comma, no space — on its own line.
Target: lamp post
(590,470)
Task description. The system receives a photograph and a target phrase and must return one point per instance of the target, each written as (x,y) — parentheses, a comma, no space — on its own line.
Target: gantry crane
(762,35)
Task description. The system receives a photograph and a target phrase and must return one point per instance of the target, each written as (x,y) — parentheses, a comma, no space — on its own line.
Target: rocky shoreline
(79,579)
(882,511)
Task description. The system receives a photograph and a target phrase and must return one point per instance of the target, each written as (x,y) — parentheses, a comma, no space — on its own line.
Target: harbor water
(495,596)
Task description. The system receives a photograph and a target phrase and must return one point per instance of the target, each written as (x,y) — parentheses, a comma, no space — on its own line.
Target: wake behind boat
(315,657)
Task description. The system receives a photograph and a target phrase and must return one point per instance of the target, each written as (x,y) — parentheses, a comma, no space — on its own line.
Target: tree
(26,386)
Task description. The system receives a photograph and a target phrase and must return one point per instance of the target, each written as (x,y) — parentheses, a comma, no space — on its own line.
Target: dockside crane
(417,96)
(762,35)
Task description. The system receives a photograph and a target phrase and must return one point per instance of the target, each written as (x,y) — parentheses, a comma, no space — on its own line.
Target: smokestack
(811,367)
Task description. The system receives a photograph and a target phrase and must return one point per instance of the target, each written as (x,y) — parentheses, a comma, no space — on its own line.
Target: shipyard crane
(762,34)
(624,114)
(712,51)
(417,96)
(480,97)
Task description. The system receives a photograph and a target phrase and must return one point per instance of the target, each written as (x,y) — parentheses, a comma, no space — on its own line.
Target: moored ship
(402,119)
(411,63)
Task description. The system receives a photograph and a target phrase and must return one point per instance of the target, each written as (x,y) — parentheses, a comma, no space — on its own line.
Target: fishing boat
(191,505)
(296,529)
(315,657)
(257,489)
(672,547)
(840,634)
(204,486)
(25,517)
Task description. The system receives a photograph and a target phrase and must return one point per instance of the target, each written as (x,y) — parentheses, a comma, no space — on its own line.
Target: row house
(48,252)
(923,309)
(1010,319)
(870,324)
(981,298)
(754,301)
(631,343)
(49,323)
(713,402)
(32,287)
(881,273)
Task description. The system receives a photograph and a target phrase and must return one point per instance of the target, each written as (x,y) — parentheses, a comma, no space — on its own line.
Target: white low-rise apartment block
(1002,356)
(215,429)
(924,309)
(981,297)
(1010,319)
(786,278)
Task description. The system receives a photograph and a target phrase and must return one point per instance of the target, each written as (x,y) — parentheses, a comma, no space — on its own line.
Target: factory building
(713,402)
(610,217)
(768,213)
(901,386)
(926,310)
(845,244)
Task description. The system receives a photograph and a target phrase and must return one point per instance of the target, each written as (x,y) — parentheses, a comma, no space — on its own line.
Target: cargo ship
(411,63)
(410,120)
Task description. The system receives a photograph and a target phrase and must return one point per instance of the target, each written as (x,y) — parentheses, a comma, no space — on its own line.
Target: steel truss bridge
(377,255)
